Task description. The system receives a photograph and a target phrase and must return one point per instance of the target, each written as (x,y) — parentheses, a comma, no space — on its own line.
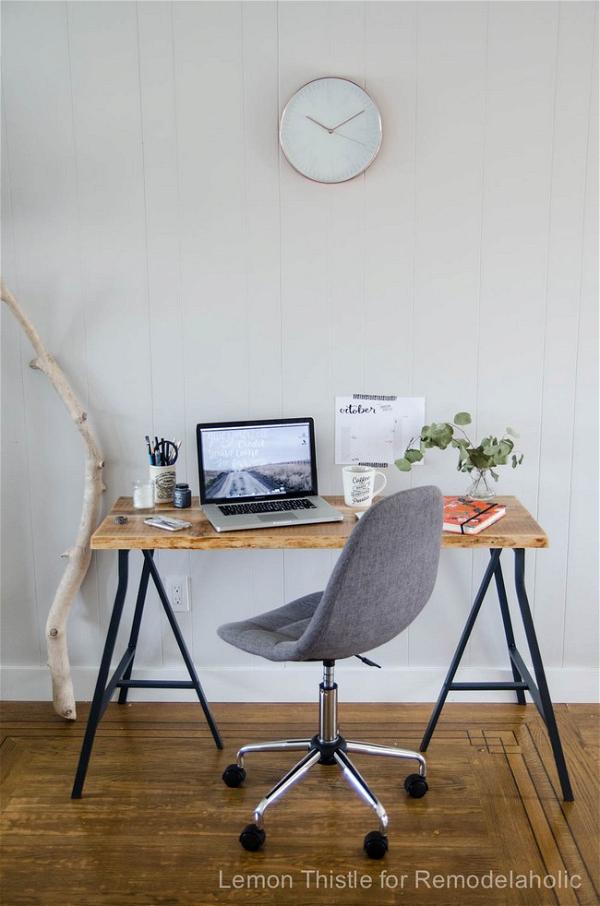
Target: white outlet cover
(178,591)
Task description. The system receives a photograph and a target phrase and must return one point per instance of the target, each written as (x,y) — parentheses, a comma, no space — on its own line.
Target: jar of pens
(162,456)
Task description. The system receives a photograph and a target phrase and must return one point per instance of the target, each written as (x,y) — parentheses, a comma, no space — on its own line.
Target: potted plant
(479,460)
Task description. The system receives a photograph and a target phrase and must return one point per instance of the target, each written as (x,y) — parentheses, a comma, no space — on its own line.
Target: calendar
(374,430)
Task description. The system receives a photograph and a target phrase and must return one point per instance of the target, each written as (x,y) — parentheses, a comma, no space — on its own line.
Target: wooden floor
(157,826)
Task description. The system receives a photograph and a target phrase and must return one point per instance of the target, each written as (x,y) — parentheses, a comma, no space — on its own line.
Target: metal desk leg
(547,711)
(487,578)
(508,629)
(96,708)
(182,647)
(135,626)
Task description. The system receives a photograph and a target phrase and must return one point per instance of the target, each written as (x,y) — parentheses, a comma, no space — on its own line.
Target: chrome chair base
(326,747)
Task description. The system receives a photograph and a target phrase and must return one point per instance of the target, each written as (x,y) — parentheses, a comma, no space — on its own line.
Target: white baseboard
(298,683)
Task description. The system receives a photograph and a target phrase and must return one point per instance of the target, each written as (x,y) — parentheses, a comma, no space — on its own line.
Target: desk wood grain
(517,529)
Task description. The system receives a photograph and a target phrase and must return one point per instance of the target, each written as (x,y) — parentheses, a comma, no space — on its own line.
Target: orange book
(470,516)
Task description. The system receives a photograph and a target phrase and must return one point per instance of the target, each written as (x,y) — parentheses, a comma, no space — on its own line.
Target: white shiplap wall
(181,271)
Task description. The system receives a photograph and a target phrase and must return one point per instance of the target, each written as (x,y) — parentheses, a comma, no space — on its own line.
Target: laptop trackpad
(284,517)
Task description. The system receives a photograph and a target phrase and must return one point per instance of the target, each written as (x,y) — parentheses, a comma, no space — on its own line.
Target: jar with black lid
(182,496)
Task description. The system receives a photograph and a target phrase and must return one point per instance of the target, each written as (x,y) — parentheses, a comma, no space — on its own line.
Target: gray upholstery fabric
(381,582)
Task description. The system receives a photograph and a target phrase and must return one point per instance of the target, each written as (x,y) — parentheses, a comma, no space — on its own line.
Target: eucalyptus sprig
(488,453)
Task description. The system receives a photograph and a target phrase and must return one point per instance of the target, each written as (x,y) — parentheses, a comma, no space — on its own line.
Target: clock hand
(348,138)
(343,123)
(313,120)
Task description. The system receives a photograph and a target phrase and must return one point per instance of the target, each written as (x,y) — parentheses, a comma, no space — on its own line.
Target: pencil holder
(163,479)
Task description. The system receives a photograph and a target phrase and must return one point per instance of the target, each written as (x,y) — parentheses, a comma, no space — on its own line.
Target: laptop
(260,474)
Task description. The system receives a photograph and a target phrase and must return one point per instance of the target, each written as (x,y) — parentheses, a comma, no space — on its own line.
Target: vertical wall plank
(581,630)
(521,89)
(390,74)
(112,237)
(43,188)
(209,104)
(165,324)
(450,102)
(347,230)
(563,316)
(21,639)
(261,208)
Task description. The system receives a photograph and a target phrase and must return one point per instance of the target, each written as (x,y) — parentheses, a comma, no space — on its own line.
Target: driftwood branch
(79,554)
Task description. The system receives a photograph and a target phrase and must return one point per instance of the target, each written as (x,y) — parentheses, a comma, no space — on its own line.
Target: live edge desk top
(518,529)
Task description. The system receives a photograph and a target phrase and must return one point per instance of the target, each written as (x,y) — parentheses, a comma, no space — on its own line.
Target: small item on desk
(162,452)
(121,520)
(143,494)
(167,523)
(182,496)
(359,485)
(468,517)
(162,455)
(163,479)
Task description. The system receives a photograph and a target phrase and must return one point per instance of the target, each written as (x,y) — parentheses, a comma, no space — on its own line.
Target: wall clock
(330,130)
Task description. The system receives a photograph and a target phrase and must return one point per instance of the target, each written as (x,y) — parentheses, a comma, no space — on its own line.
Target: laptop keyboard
(268,506)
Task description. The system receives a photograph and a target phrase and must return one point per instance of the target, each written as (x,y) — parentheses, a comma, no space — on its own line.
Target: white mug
(359,485)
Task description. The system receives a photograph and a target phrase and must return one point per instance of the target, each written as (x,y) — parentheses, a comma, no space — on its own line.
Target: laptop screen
(256,460)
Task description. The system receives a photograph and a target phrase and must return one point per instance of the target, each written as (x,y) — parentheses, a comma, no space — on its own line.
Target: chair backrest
(383,578)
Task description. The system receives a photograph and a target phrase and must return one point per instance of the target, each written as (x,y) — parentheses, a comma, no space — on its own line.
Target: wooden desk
(518,530)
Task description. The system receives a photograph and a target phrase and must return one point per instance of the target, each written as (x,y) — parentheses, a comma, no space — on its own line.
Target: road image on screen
(260,461)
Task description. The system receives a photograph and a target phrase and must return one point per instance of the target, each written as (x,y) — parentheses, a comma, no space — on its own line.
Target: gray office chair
(381,582)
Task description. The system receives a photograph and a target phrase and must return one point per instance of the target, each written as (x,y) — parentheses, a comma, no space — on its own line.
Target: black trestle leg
(487,578)
(182,647)
(135,626)
(96,707)
(540,676)
(508,629)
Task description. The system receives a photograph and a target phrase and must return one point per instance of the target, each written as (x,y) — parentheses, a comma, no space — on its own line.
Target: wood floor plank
(157,827)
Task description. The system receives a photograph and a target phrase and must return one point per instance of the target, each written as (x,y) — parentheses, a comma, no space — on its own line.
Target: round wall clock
(330,130)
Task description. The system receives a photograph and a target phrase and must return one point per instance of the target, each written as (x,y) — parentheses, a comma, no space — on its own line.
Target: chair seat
(274,635)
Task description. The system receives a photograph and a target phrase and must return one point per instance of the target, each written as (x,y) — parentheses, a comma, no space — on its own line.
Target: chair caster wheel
(415,786)
(234,775)
(376,845)
(252,837)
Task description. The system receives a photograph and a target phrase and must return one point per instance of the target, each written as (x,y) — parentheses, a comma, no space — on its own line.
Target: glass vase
(481,485)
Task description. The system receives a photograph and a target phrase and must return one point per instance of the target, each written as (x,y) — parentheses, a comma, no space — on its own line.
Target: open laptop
(259,474)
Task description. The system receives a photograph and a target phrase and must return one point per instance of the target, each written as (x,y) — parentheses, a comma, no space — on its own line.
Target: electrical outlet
(178,590)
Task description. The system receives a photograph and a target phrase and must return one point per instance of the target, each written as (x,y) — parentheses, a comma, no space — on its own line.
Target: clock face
(330,130)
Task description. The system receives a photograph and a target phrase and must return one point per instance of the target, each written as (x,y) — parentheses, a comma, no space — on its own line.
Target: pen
(150,455)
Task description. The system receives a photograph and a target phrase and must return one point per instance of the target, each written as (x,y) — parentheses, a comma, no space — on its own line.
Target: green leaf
(413,455)
(440,435)
(403,464)
(479,459)
(462,418)
(512,432)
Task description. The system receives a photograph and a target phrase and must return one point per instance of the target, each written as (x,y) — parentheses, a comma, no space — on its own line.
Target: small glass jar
(143,494)
(182,496)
